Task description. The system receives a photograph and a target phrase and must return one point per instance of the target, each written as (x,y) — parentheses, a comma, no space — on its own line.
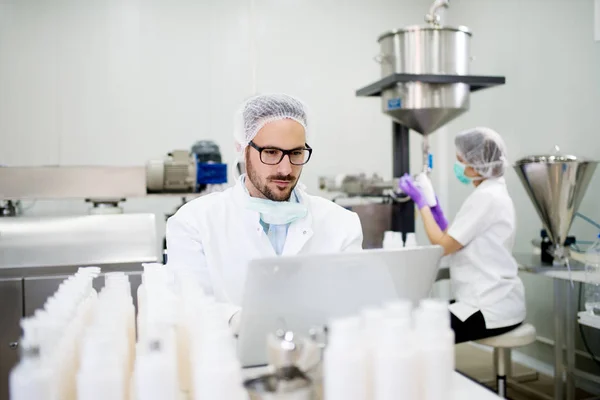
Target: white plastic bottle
(592,277)
(395,360)
(217,374)
(156,370)
(344,361)
(435,340)
(424,183)
(101,375)
(372,320)
(411,240)
(392,240)
(400,308)
(31,379)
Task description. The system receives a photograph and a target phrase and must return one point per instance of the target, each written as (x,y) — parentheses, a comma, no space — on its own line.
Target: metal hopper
(556,185)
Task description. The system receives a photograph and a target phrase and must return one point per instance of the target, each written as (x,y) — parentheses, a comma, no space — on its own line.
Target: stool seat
(522,335)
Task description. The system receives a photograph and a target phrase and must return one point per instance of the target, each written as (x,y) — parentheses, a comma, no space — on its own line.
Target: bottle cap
(344,331)
(399,309)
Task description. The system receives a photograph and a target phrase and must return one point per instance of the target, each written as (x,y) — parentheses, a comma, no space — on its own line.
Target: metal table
(565,319)
(462,386)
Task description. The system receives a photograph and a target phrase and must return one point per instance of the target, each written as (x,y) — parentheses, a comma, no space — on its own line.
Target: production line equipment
(425,83)
(37,252)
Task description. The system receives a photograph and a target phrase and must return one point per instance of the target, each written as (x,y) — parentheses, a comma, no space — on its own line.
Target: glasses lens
(271,156)
(299,157)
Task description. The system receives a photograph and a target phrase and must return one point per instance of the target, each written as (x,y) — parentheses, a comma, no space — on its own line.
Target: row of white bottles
(393,240)
(51,341)
(211,367)
(156,374)
(391,352)
(108,351)
(82,345)
(185,346)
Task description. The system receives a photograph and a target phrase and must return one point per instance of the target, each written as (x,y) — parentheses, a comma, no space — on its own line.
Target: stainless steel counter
(27,242)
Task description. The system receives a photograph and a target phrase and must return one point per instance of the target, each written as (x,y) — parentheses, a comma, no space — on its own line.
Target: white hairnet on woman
(482,149)
(259,110)
(489,294)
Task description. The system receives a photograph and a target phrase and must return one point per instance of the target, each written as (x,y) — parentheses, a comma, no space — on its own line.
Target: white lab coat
(215,236)
(484,274)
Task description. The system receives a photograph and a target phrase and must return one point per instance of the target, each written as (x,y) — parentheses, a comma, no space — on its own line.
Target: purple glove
(407,185)
(438,215)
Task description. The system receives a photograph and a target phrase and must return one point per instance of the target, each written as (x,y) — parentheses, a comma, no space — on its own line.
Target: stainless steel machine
(37,253)
(187,171)
(556,185)
(425,83)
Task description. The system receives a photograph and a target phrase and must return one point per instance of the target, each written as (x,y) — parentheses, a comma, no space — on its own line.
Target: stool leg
(507,362)
(495,372)
(502,362)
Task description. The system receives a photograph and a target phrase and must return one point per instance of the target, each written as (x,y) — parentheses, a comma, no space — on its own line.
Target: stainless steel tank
(436,50)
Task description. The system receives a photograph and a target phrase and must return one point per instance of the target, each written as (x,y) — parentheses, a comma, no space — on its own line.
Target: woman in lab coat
(265,214)
(484,275)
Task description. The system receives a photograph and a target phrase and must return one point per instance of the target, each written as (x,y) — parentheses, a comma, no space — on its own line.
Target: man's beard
(264,188)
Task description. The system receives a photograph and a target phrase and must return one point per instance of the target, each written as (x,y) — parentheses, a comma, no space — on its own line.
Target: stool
(503,344)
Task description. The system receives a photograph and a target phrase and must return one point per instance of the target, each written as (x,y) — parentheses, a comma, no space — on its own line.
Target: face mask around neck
(277,212)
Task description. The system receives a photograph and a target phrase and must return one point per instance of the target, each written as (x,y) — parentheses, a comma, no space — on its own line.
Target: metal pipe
(580,353)
(502,367)
(403,213)
(570,320)
(426,148)
(559,328)
(432,16)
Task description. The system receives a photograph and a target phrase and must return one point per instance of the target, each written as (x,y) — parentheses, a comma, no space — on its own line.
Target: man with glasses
(266,213)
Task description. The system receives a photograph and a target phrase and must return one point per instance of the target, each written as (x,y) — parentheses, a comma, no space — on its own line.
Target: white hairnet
(484,150)
(259,110)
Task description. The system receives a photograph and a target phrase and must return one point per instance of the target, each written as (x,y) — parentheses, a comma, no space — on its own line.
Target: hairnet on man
(262,120)
(266,213)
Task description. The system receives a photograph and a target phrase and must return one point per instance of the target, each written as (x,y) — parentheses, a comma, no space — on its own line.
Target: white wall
(121,81)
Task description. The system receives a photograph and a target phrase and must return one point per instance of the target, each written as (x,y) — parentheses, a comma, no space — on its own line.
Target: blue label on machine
(430,160)
(394,104)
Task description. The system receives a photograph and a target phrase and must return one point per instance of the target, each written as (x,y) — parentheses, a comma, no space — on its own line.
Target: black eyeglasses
(273,155)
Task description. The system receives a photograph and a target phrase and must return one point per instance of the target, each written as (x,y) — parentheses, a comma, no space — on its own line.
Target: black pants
(473,328)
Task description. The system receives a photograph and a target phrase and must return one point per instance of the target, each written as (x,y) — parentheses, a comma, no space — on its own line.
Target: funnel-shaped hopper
(426,120)
(425,107)
(556,185)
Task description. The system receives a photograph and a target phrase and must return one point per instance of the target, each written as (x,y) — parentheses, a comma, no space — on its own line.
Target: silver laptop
(298,293)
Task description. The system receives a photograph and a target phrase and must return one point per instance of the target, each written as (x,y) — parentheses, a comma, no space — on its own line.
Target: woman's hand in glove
(407,185)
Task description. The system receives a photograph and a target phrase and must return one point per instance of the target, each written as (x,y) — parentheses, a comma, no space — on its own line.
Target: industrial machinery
(36,253)
(425,75)
(183,171)
(425,83)
(9,208)
(556,185)
(358,185)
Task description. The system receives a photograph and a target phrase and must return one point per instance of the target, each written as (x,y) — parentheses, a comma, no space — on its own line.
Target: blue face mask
(459,171)
(277,212)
